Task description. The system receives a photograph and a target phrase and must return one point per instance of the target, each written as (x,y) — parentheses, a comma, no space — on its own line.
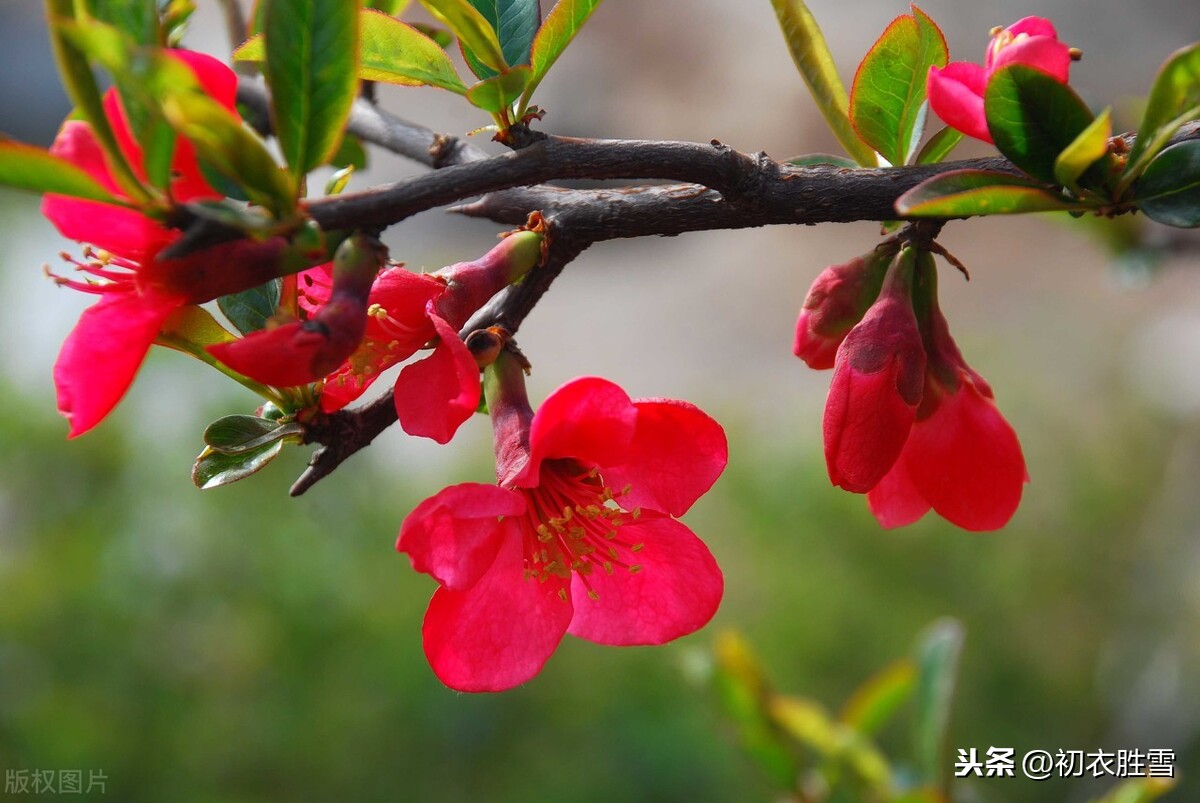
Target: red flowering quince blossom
(138,289)
(578,537)
(909,423)
(837,300)
(956,90)
(404,312)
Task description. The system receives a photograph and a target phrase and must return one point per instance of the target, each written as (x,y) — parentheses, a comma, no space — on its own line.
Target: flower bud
(878,378)
(473,283)
(837,300)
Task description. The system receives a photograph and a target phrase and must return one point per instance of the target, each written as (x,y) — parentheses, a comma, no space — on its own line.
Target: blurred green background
(236,645)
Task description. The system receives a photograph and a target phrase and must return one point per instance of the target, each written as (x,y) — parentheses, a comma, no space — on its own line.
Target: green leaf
(745,694)
(250,309)
(875,702)
(939,146)
(393,52)
(498,93)
(937,656)
(515,23)
(311,56)
(393,8)
(350,153)
(190,329)
(815,63)
(1169,190)
(214,469)
(220,139)
(136,18)
(443,37)
(1174,99)
(1033,118)
(472,29)
(1139,790)
(1088,148)
(962,193)
(81,88)
(887,98)
(237,434)
(807,722)
(397,53)
(559,28)
(28,168)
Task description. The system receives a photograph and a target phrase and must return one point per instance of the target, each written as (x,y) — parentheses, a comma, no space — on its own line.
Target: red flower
(876,386)
(579,536)
(956,90)
(909,423)
(139,290)
(404,312)
(961,458)
(837,300)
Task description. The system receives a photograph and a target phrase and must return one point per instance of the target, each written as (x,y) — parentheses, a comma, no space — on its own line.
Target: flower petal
(676,592)
(966,461)
(282,356)
(956,95)
(501,632)
(678,452)
(895,501)
(124,232)
(434,396)
(454,536)
(102,354)
(1040,52)
(589,419)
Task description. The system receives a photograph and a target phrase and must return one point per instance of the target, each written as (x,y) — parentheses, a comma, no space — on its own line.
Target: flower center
(115,274)
(1004,39)
(574,525)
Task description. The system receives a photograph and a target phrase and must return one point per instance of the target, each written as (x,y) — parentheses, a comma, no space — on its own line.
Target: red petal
(501,632)
(102,354)
(956,95)
(966,461)
(589,419)
(123,232)
(817,351)
(895,501)
(455,535)
(676,592)
(1048,55)
(281,356)
(404,297)
(434,396)
(678,452)
(1033,26)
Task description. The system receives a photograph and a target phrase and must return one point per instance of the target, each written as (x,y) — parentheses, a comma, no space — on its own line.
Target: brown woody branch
(724,189)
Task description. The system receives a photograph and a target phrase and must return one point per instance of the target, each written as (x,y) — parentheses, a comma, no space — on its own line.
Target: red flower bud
(876,387)
(956,90)
(837,300)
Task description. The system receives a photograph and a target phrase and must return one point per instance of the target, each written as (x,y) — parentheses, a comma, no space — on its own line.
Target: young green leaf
(393,8)
(250,309)
(392,52)
(1174,99)
(815,63)
(515,23)
(1033,118)
(963,193)
(560,27)
(1088,148)
(221,140)
(311,57)
(875,702)
(472,29)
(937,655)
(939,146)
(1169,189)
(887,98)
(137,18)
(28,168)
(237,434)
(81,88)
(214,469)
(498,93)
(397,53)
